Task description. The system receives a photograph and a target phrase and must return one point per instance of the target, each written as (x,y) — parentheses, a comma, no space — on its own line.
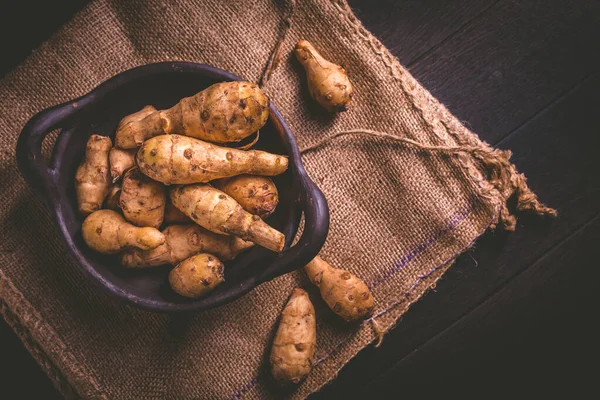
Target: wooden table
(515,312)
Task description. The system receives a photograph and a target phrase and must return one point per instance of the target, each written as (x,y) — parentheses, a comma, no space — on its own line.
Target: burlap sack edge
(29,326)
(71,378)
(493,193)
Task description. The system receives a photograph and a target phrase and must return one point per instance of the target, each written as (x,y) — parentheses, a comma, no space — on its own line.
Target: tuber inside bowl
(162,85)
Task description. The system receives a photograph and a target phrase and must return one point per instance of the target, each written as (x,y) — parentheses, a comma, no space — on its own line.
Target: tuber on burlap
(408,186)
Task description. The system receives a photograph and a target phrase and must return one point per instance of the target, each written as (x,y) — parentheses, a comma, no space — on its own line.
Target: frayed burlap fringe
(379,331)
(501,173)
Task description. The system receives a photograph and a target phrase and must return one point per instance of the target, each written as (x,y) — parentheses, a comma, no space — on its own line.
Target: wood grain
(555,149)
(530,333)
(411,29)
(513,60)
(21,377)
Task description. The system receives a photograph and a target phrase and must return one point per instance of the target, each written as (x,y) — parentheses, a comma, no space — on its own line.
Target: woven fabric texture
(400,214)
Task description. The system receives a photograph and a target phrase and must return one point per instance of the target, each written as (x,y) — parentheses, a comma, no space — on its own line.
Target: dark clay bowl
(162,85)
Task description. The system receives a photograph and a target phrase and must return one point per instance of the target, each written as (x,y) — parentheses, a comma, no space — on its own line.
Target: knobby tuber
(106,231)
(173,216)
(347,295)
(183,241)
(197,276)
(224,112)
(92,179)
(128,134)
(112,200)
(120,161)
(294,344)
(176,159)
(142,199)
(328,83)
(256,194)
(219,213)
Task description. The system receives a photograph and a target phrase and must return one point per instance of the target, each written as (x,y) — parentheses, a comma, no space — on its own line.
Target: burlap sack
(400,214)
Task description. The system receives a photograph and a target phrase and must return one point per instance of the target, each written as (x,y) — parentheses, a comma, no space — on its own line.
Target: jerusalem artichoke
(106,231)
(294,344)
(224,112)
(112,200)
(197,276)
(183,241)
(142,199)
(120,161)
(92,178)
(175,159)
(256,194)
(328,83)
(174,216)
(344,292)
(128,135)
(219,213)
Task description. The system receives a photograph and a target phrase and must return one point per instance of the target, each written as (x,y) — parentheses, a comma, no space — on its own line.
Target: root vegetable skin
(112,200)
(175,159)
(328,83)
(173,216)
(219,213)
(197,276)
(182,242)
(129,135)
(347,295)
(224,112)
(107,232)
(294,344)
(120,161)
(92,179)
(256,194)
(142,199)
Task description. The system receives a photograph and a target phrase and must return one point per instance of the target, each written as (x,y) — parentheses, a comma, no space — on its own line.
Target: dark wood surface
(515,313)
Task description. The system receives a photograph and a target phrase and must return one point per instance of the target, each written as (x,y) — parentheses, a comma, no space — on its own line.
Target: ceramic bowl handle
(316,227)
(30,161)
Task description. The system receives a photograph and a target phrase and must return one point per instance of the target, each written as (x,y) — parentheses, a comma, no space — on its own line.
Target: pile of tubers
(169,170)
